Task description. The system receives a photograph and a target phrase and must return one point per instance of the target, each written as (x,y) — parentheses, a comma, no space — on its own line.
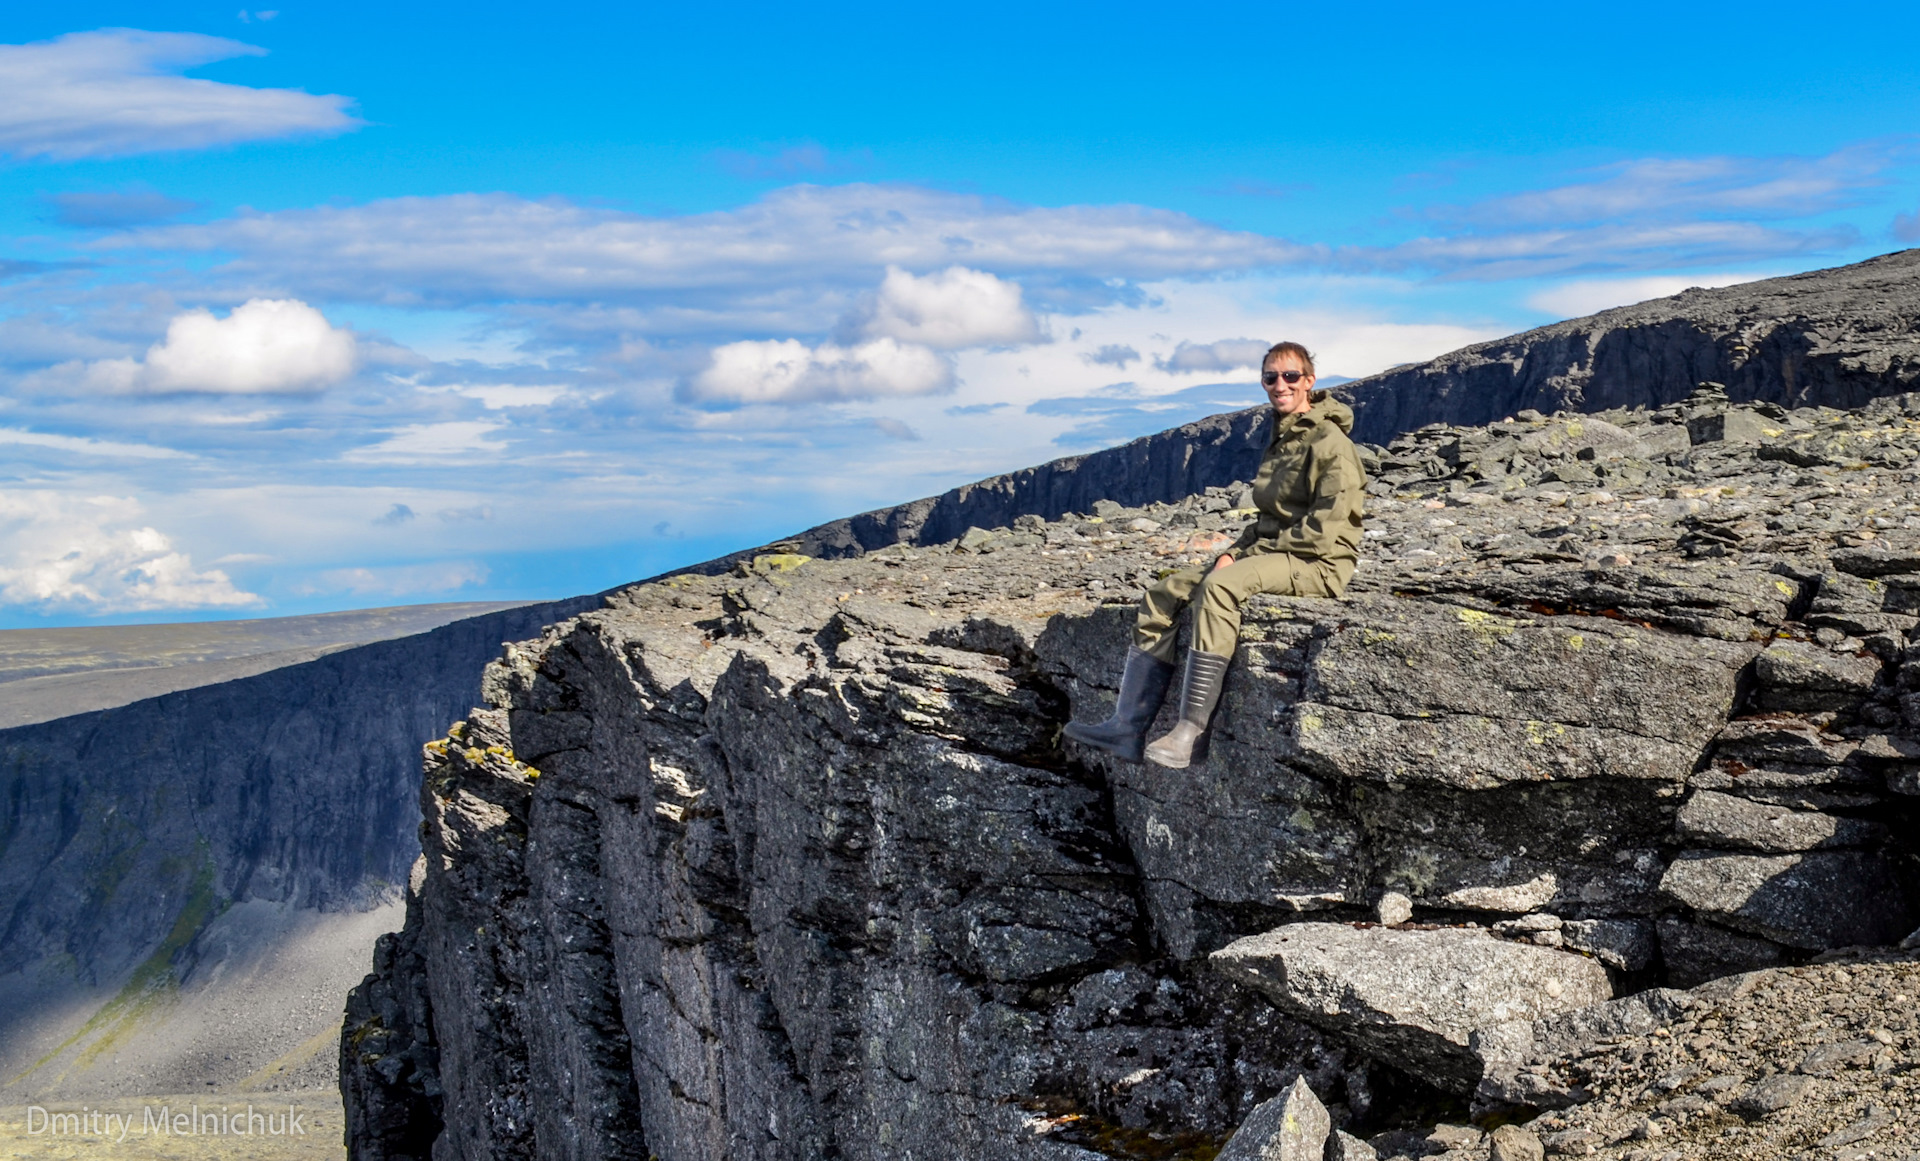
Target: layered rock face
(1833,338)
(791,862)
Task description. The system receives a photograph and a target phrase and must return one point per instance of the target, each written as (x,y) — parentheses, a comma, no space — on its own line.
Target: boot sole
(1124,754)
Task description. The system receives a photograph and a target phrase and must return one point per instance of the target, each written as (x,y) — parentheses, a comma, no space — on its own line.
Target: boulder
(1774,1094)
(1290,1127)
(1816,900)
(1412,997)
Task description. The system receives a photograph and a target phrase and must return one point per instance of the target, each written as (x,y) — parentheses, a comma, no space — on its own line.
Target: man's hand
(1226,558)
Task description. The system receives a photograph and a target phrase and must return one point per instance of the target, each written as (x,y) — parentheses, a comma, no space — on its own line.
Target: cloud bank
(116,92)
(87,554)
(468,248)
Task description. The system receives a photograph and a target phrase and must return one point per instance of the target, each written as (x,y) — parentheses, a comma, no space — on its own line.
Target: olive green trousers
(1216,598)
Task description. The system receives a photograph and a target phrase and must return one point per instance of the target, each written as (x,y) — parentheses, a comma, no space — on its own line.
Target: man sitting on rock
(1305,544)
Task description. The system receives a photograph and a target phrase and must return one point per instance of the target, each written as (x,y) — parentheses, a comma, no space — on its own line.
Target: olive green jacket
(1310,491)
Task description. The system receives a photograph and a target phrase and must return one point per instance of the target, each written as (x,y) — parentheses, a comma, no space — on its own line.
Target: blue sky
(323,307)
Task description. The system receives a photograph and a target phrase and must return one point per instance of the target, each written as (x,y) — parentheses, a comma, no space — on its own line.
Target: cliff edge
(791,861)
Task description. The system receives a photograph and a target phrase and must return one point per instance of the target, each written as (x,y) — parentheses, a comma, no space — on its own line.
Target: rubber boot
(1143,686)
(1206,673)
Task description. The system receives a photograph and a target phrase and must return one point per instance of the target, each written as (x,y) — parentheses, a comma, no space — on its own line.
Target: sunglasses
(1292,377)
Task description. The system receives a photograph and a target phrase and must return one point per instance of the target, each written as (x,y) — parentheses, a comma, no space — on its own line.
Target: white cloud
(950,309)
(776,255)
(90,554)
(264,345)
(425,442)
(1626,246)
(93,447)
(789,371)
(1588,296)
(1221,355)
(403,580)
(116,92)
(1686,186)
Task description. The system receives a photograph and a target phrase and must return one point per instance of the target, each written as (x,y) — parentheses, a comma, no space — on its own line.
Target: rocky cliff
(791,861)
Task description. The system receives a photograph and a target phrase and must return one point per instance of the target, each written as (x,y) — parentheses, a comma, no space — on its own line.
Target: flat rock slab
(1727,821)
(1406,693)
(1412,998)
(1817,900)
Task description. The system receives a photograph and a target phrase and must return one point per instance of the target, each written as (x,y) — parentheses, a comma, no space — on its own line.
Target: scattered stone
(1344,1146)
(1513,1143)
(1453,1138)
(1393,909)
(1772,1095)
(1290,1127)
(1831,1058)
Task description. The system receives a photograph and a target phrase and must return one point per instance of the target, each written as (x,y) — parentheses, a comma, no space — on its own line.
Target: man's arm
(1249,536)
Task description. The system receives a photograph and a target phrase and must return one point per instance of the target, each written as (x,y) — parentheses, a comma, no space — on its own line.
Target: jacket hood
(1325,409)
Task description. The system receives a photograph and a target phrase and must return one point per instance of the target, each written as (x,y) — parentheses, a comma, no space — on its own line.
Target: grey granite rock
(1731,823)
(1626,945)
(1796,676)
(1514,1143)
(1293,1126)
(1412,996)
(1814,900)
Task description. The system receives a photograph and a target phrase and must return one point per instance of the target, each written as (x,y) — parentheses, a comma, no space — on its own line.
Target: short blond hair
(1289,348)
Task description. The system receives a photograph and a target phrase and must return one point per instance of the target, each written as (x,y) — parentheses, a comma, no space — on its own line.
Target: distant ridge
(1834,338)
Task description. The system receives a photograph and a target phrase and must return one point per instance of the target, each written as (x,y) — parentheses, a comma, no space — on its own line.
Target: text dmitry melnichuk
(164,1122)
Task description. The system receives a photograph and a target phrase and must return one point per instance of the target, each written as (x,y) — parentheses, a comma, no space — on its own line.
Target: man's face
(1295,398)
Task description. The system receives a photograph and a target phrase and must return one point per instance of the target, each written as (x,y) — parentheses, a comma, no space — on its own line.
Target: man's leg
(1160,609)
(1216,609)
(1148,672)
(1216,633)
